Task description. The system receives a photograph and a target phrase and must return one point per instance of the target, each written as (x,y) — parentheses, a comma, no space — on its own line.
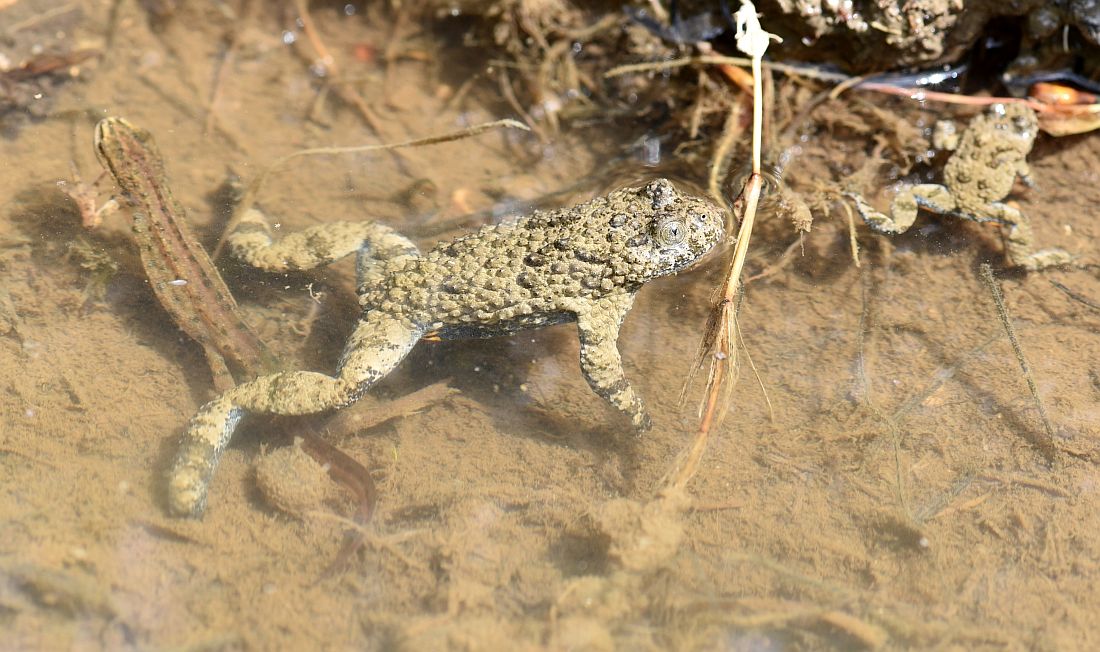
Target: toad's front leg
(377,345)
(598,323)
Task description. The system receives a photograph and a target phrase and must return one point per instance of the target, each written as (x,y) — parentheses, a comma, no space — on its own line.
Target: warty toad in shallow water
(989,155)
(582,264)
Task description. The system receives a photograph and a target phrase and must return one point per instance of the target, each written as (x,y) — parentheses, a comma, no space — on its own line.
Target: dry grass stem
(718,339)
(756,374)
(853,242)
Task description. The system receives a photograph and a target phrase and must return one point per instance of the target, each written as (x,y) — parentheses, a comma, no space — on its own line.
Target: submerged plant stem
(1044,442)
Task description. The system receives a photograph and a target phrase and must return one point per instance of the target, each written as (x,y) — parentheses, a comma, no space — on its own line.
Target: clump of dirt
(644,537)
(293,482)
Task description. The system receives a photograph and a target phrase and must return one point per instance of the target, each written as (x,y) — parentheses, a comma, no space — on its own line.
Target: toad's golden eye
(671,232)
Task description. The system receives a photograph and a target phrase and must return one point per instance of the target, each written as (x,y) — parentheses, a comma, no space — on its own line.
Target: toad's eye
(671,232)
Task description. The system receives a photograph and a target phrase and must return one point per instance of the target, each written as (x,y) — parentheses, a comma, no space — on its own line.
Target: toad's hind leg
(1020,240)
(904,207)
(318,245)
(376,346)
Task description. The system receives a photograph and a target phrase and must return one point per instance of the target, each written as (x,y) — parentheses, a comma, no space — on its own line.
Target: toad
(990,154)
(582,264)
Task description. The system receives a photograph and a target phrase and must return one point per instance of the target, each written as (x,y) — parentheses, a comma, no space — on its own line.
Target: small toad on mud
(582,264)
(990,155)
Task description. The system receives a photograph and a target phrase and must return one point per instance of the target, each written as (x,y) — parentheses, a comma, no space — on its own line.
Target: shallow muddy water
(878,482)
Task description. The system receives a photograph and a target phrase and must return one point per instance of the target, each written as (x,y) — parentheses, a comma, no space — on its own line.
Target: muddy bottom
(879,480)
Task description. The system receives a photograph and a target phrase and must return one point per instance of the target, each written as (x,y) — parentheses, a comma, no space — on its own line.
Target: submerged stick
(1044,443)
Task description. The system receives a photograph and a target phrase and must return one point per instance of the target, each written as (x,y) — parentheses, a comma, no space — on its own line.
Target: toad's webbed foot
(601,363)
(376,346)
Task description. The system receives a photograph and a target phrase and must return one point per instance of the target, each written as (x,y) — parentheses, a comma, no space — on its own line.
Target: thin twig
(345,92)
(313,37)
(223,66)
(249,198)
(41,17)
(799,71)
(509,95)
